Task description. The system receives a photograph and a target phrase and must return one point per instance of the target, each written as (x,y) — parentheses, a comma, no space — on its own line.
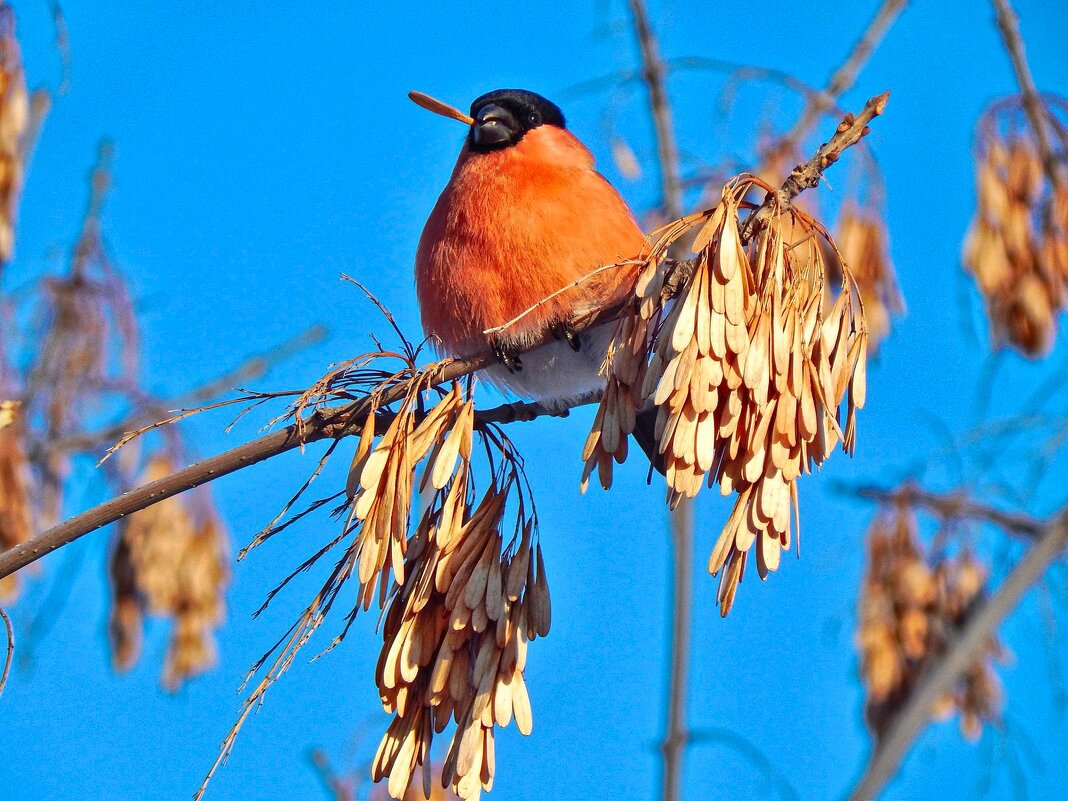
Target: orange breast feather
(512,227)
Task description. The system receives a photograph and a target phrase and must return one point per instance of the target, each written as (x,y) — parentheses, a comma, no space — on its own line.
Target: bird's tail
(645,436)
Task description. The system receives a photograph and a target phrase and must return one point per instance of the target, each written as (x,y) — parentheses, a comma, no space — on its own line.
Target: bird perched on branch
(526,238)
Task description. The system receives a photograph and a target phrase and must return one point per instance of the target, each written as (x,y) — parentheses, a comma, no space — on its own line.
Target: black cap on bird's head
(502,117)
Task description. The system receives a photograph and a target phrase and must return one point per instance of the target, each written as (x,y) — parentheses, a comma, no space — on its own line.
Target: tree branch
(332,424)
(346,420)
(953,506)
(898,737)
(806,176)
(1009,26)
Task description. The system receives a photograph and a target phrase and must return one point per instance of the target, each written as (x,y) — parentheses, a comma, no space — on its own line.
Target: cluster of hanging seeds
(863,244)
(912,607)
(1017,246)
(747,371)
(15,129)
(463,600)
(169,560)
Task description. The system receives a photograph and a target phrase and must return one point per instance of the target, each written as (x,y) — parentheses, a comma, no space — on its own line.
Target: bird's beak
(444,109)
(493,126)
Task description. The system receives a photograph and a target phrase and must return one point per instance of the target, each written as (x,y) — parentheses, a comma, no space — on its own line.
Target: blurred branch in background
(1009,26)
(951,507)
(337,787)
(153,409)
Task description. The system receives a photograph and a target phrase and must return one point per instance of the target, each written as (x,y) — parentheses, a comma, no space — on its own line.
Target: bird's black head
(503,117)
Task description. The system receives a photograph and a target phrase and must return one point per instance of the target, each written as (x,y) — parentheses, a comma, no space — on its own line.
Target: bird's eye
(534,118)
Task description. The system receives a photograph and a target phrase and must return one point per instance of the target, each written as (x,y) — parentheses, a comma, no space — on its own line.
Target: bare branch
(677,736)
(806,176)
(898,737)
(953,506)
(1009,25)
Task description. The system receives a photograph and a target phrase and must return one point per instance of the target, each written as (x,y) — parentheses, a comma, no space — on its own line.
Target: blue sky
(259,155)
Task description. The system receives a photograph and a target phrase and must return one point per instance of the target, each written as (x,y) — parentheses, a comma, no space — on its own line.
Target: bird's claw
(507,356)
(566,332)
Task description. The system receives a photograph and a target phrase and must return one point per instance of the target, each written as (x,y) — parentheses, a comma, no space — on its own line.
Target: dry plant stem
(914,716)
(842,79)
(954,506)
(1009,26)
(10,650)
(347,420)
(806,176)
(673,747)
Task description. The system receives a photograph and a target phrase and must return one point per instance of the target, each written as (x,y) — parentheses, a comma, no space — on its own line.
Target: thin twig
(548,298)
(806,176)
(843,78)
(952,506)
(909,722)
(1009,25)
(347,420)
(10,649)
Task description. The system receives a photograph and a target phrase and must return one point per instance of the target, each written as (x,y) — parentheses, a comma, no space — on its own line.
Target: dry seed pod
(462,602)
(863,244)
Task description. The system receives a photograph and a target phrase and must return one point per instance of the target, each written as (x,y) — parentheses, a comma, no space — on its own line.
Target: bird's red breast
(513,226)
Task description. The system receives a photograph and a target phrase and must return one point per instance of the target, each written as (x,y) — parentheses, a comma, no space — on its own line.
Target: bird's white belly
(555,372)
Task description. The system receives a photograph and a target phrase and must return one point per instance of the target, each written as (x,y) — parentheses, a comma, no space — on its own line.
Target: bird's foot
(507,355)
(566,332)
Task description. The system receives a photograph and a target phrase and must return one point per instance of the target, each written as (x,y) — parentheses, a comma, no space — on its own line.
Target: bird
(526,238)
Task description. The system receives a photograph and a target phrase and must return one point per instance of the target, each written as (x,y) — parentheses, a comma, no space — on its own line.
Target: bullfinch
(513,239)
